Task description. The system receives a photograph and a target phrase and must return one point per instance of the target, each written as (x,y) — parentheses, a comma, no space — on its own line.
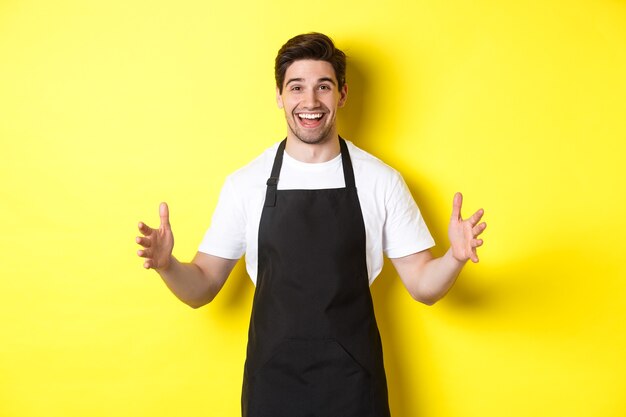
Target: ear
(279,99)
(343,95)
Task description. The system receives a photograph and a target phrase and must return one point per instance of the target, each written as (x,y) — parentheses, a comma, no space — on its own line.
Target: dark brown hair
(312,45)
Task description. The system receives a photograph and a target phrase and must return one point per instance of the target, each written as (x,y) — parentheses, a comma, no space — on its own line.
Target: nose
(310,99)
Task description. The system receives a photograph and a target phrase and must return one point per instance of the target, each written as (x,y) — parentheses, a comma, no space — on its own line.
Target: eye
(295,88)
(324,87)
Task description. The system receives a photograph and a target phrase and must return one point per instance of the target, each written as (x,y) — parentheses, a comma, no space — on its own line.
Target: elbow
(195,306)
(197,303)
(199,299)
(429,300)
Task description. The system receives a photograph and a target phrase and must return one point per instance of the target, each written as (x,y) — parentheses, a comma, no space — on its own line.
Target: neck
(313,153)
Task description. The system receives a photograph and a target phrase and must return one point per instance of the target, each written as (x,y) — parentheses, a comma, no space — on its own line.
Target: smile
(310,116)
(310,120)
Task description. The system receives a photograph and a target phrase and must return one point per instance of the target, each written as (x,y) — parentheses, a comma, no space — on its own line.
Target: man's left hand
(463,233)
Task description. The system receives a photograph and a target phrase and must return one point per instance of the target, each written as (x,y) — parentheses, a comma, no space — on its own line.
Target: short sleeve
(226,236)
(404,231)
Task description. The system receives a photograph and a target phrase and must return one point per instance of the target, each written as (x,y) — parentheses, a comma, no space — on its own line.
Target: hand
(463,233)
(157,243)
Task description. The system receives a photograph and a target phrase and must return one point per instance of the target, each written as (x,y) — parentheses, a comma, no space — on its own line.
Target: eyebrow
(321,80)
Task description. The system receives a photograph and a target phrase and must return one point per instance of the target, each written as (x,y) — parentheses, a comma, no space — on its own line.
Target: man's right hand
(157,243)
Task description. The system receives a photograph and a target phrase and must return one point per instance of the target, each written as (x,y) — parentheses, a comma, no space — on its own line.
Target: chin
(311,139)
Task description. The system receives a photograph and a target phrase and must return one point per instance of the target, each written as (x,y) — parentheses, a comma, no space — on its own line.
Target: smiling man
(314,215)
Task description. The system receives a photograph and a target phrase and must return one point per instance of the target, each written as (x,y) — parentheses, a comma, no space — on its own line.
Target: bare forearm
(429,279)
(188,283)
(436,278)
(195,283)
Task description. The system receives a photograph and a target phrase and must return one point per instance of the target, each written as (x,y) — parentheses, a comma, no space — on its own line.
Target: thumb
(456,206)
(164,213)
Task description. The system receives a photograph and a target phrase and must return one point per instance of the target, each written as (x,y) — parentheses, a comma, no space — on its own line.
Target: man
(314,215)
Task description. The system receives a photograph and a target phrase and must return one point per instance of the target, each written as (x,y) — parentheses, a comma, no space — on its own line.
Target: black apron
(313,348)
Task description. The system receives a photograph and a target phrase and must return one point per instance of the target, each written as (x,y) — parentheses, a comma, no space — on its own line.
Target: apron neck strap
(348,172)
(272,182)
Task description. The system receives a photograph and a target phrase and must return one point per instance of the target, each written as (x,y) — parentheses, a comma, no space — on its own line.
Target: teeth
(310,116)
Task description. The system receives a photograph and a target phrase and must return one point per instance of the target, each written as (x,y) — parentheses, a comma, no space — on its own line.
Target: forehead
(310,70)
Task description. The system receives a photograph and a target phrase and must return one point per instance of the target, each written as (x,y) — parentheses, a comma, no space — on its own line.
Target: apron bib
(314,349)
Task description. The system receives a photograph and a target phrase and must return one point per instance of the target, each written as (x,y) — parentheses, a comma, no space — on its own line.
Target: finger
(478,229)
(164,213)
(474,256)
(477,242)
(145,229)
(457,201)
(147,264)
(145,242)
(476,217)
(144,253)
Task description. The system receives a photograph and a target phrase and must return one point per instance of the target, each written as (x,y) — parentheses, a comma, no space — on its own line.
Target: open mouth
(310,120)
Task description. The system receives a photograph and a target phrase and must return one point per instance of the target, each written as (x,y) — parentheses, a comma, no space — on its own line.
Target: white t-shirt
(393,223)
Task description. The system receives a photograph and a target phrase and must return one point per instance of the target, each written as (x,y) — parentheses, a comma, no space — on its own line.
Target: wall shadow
(355,119)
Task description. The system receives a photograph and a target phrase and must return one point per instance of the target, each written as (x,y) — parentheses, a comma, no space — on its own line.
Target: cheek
(289,105)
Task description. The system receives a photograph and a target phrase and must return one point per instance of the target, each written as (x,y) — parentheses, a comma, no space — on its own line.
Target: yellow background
(109,107)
